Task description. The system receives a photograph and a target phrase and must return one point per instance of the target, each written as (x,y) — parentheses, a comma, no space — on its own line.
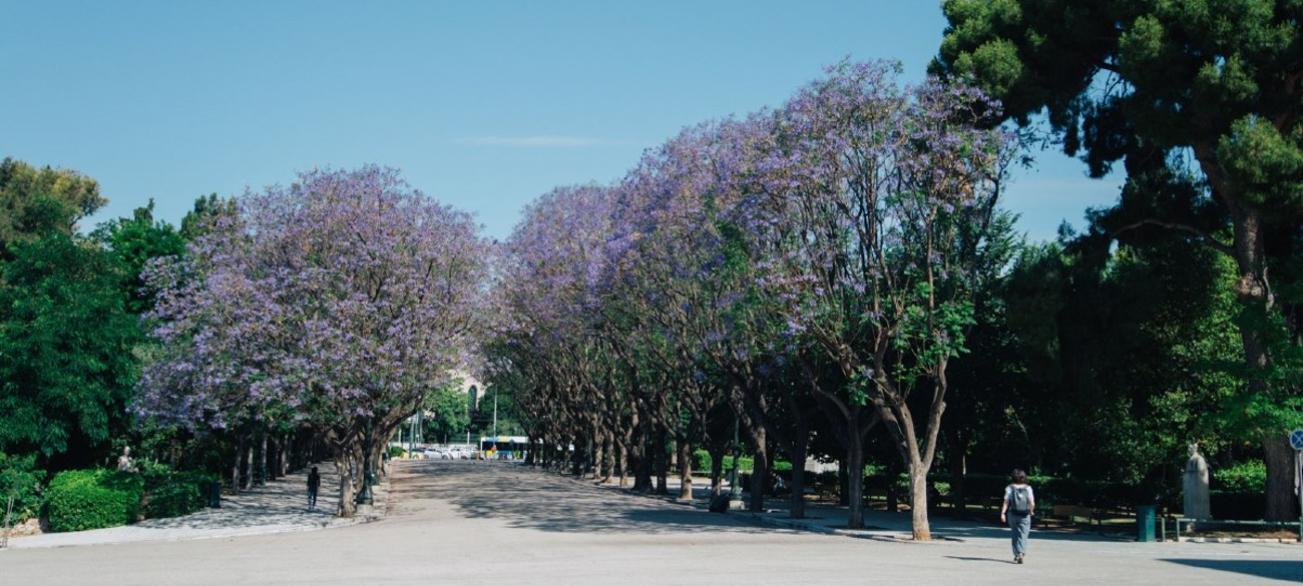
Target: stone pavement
(279,506)
(458,522)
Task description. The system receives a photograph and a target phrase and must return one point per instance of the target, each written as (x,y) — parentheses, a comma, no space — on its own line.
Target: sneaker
(1019,559)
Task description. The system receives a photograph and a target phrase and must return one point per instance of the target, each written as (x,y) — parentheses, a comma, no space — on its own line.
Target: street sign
(1296,440)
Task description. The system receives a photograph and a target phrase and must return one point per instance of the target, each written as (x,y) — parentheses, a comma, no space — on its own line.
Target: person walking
(314,483)
(1017,510)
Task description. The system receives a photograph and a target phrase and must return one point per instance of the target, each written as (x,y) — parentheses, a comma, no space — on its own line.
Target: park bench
(1073,512)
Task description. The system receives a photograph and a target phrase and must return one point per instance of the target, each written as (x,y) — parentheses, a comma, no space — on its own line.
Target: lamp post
(735,490)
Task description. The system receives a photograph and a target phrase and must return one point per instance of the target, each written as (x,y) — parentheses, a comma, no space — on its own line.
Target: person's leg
(1014,536)
(1021,531)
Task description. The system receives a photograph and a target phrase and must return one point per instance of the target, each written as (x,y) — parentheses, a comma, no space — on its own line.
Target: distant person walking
(1017,510)
(314,484)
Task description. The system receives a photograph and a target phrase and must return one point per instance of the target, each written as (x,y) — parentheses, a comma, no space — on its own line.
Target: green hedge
(701,462)
(1248,476)
(90,499)
(169,493)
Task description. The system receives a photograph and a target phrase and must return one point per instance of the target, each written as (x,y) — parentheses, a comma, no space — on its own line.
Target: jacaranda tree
(873,191)
(340,302)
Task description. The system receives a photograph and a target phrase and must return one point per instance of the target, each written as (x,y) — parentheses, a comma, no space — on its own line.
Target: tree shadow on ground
(1274,569)
(944,529)
(529,499)
(279,502)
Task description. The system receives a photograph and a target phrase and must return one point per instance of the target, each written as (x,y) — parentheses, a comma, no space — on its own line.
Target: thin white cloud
(535,141)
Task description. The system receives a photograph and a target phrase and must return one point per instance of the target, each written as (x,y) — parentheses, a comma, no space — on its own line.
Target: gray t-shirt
(1031,496)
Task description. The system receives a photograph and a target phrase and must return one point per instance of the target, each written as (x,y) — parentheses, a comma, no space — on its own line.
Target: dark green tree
(986,374)
(451,416)
(34,202)
(135,241)
(1110,370)
(66,349)
(206,208)
(1145,82)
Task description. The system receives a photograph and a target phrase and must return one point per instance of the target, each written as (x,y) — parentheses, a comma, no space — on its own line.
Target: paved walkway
(457,522)
(278,507)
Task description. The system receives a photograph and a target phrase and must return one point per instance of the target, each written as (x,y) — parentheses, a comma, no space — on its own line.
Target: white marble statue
(1195,486)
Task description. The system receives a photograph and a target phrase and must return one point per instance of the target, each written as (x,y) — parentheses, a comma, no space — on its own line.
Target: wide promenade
(491,523)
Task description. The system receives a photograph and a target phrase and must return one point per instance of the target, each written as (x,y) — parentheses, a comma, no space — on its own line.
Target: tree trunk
(642,479)
(800,444)
(1250,259)
(716,472)
(1251,287)
(843,483)
(261,476)
(235,468)
(685,470)
(918,501)
(956,457)
(1281,502)
(345,487)
(577,459)
(273,455)
(598,445)
(608,459)
(662,463)
(624,464)
(855,484)
(246,465)
(759,470)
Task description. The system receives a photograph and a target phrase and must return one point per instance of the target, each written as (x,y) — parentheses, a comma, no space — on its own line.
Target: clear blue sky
(484,105)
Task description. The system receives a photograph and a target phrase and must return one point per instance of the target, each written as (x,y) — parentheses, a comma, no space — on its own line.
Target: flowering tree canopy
(339,302)
(817,254)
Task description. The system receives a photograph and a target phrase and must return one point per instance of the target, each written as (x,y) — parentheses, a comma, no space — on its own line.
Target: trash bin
(1145,522)
(215,494)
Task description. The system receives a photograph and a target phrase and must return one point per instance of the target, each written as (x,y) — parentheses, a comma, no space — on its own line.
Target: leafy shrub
(744,464)
(396,452)
(91,499)
(1249,476)
(169,493)
(20,478)
(701,461)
